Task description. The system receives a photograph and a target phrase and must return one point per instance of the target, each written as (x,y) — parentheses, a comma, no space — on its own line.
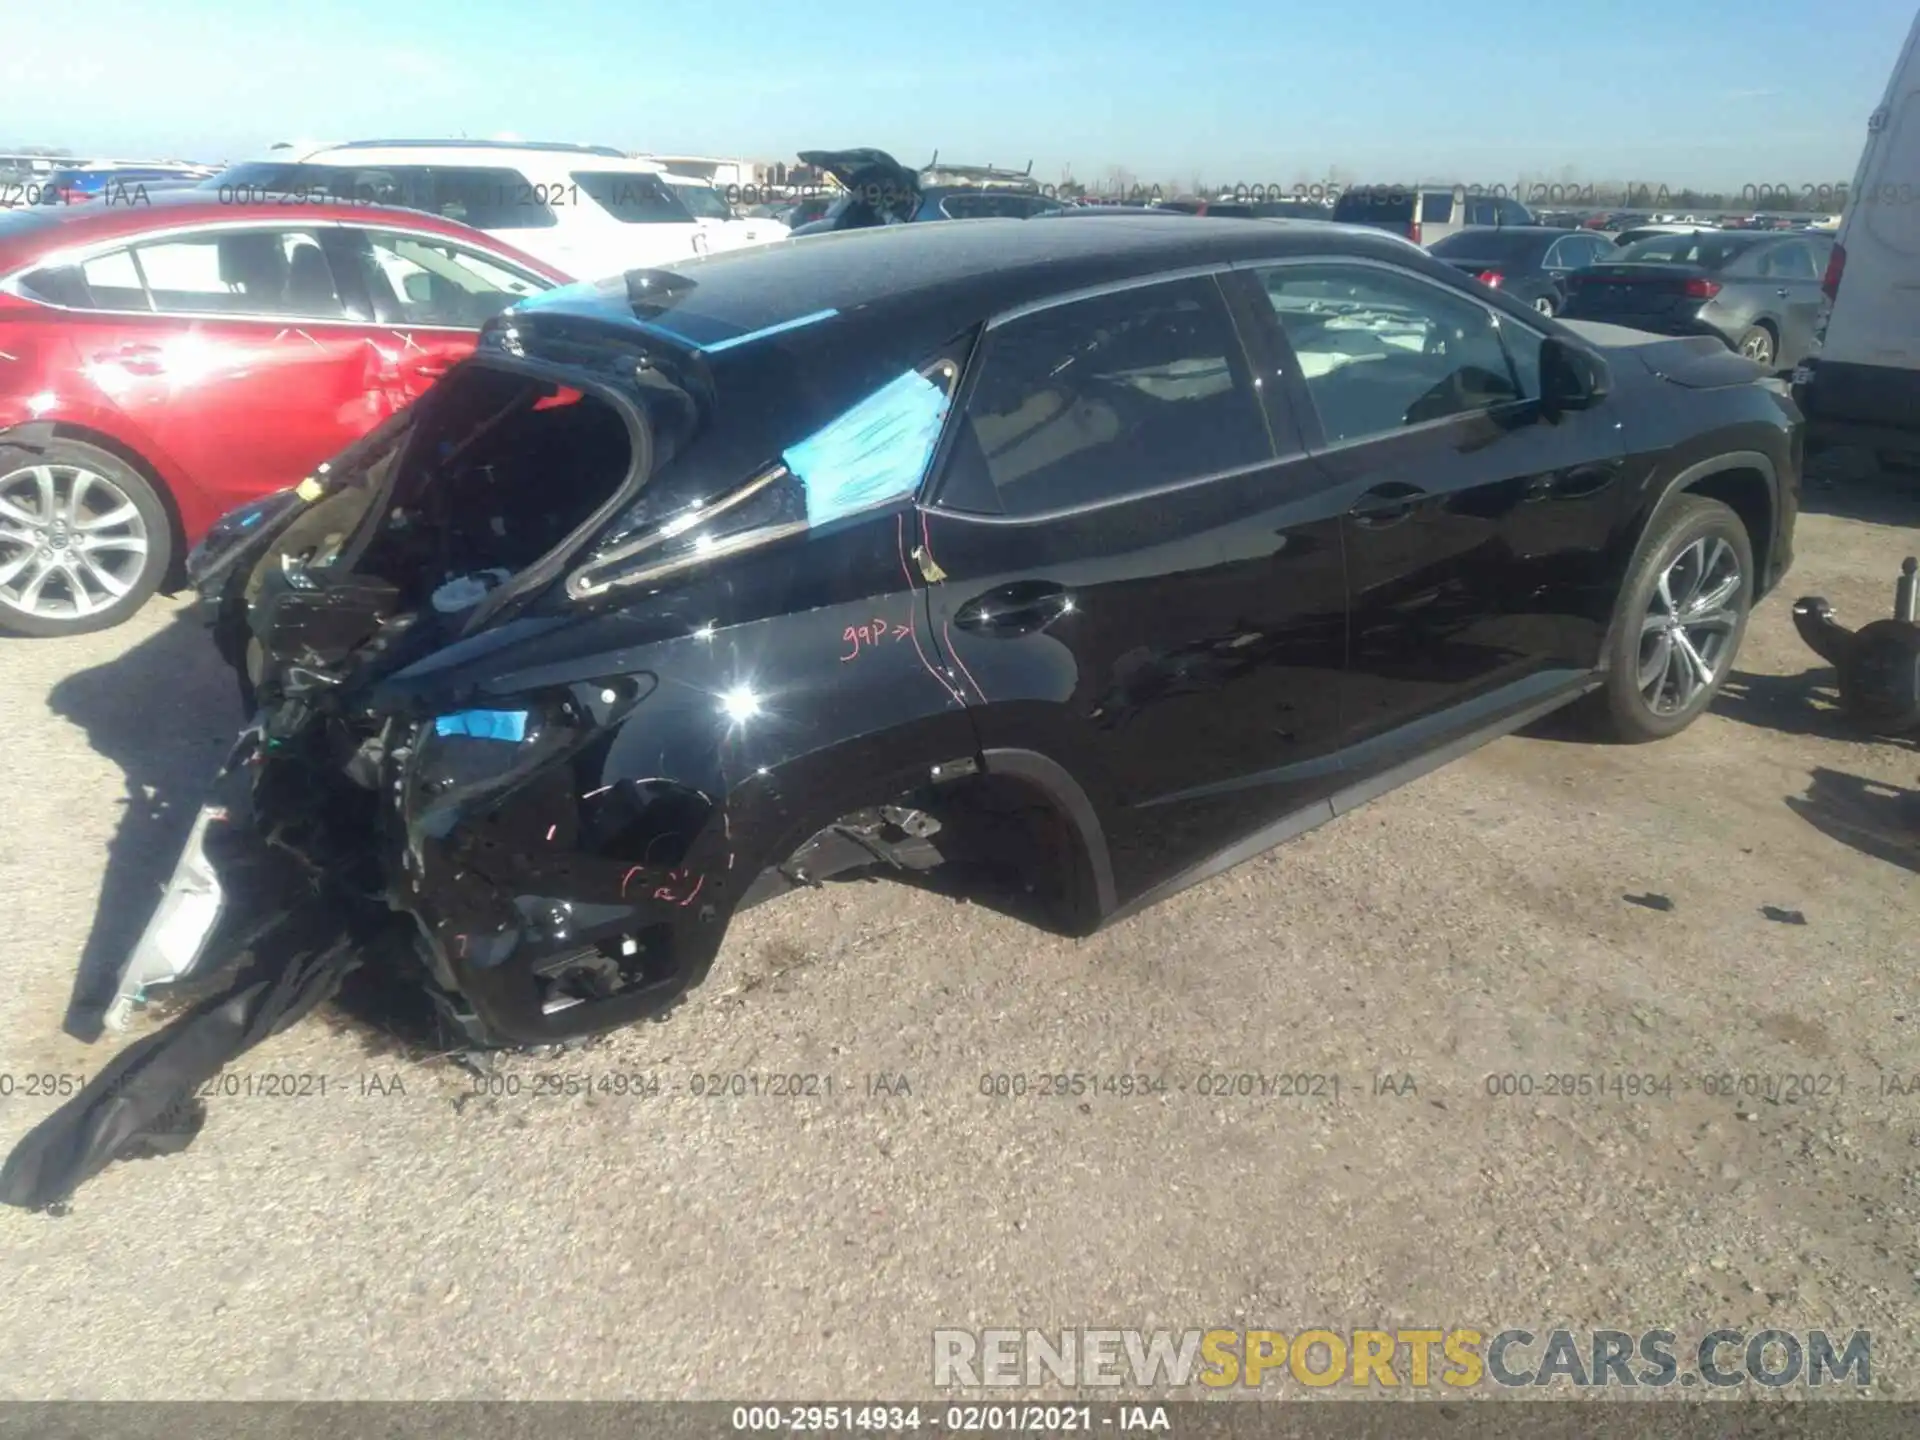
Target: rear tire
(84,539)
(1679,623)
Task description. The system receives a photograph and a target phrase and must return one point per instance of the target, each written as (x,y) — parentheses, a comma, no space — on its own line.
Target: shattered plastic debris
(1783,917)
(1649,901)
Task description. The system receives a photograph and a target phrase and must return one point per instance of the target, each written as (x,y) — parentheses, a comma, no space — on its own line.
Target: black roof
(919,284)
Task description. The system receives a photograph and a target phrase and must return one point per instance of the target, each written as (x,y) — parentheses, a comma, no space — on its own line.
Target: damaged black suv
(1102,556)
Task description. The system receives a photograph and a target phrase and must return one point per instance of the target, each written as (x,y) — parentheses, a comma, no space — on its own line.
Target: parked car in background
(797,212)
(1528,262)
(1227,209)
(1634,234)
(879,190)
(588,210)
(124,182)
(1425,214)
(724,229)
(1757,290)
(166,362)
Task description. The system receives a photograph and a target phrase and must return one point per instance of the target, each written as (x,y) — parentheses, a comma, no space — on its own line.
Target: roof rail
(562,146)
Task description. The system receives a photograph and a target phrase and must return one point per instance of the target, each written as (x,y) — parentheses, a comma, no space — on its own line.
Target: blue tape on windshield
(509,725)
(877,450)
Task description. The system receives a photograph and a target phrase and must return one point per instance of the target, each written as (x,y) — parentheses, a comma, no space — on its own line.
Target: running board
(1309,817)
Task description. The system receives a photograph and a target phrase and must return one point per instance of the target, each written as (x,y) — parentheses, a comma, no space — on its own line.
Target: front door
(1136,572)
(1479,536)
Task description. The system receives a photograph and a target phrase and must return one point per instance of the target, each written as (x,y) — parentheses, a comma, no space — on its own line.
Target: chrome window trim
(1110,287)
(1172,487)
(581,584)
(81,254)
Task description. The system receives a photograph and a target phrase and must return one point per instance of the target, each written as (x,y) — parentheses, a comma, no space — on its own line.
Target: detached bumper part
(176,937)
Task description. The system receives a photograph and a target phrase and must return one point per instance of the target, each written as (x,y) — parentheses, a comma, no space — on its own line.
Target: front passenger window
(1381,350)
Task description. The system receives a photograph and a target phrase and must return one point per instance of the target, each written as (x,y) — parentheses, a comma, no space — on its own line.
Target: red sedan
(163,362)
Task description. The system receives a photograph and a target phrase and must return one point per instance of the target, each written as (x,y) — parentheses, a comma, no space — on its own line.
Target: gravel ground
(403,1237)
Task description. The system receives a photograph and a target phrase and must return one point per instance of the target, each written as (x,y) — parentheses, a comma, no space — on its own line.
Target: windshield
(704,201)
(1710,250)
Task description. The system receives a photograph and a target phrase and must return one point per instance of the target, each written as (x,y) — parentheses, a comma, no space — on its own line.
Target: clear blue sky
(1710,92)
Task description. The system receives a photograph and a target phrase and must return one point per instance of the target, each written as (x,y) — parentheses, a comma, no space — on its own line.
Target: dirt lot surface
(402,1236)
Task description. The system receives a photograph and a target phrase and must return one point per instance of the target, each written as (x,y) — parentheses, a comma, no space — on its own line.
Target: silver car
(1758,291)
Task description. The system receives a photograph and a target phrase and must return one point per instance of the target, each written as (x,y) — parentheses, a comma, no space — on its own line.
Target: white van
(1861,384)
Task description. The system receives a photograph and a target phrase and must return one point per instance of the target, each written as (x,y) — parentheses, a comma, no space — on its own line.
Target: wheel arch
(1091,886)
(1746,482)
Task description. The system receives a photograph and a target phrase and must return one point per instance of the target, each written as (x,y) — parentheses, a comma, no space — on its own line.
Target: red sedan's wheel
(84,540)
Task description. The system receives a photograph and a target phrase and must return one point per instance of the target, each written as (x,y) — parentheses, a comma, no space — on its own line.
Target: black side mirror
(1572,377)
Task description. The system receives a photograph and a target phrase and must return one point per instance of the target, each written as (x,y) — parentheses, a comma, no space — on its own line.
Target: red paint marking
(695,891)
(462,941)
(851,636)
(627,879)
(550,830)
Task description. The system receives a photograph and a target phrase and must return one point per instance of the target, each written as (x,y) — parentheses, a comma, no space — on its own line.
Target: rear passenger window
(1105,398)
(114,283)
(244,272)
(1381,350)
(1789,262)
(1436,208)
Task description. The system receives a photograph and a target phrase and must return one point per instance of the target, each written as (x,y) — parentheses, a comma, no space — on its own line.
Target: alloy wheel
(1758,346)
(1688,631)
(72,542)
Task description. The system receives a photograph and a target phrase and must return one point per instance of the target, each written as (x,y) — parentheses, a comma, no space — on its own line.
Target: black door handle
(1016,609)
(1384,504)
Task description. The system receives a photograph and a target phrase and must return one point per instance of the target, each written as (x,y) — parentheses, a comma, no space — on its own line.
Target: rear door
(1476,533)
(1791,270)
(1137,572)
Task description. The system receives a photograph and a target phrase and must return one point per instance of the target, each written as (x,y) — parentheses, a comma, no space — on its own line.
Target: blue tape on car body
(876,451)
(509,725)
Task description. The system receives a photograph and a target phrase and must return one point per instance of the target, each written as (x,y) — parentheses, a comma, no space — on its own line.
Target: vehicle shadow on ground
(1871,816)
(162,711)
(1851,487)
(165,712)
(1803,704)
